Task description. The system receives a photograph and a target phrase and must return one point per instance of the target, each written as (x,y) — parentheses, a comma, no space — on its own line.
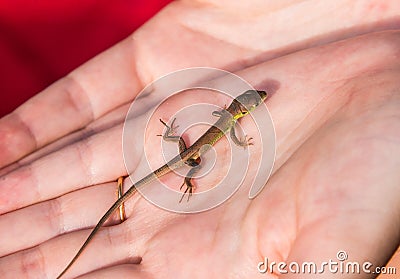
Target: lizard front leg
(244,142)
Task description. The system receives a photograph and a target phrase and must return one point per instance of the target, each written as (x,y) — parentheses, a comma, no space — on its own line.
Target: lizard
(240,107)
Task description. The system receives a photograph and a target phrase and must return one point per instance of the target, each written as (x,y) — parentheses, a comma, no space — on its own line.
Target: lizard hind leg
(169,135)
(170,131)
(188,179)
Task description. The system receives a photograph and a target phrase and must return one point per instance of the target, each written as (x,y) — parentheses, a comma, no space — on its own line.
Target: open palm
(334,186)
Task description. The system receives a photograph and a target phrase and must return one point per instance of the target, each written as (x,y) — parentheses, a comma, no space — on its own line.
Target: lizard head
(246,102)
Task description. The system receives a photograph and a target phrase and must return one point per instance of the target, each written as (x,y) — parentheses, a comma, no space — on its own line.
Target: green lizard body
(228,117)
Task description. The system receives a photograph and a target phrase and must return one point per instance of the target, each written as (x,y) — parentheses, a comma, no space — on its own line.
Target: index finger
(95,88)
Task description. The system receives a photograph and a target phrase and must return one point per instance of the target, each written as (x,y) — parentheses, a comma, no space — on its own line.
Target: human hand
(335,126)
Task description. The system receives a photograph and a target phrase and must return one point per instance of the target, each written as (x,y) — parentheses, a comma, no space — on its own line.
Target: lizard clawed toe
(189,190)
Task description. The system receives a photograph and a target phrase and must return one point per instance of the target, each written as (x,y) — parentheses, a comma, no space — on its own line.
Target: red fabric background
(41,41)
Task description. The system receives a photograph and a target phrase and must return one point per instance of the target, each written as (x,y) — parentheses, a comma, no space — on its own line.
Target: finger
(79,209)
(40,262)
(111,119)
(84,163)
(123,243)
(75,210)
(112,242)
(90,91)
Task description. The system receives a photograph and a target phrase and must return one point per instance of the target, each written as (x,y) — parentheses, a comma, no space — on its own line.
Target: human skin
(334,186)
